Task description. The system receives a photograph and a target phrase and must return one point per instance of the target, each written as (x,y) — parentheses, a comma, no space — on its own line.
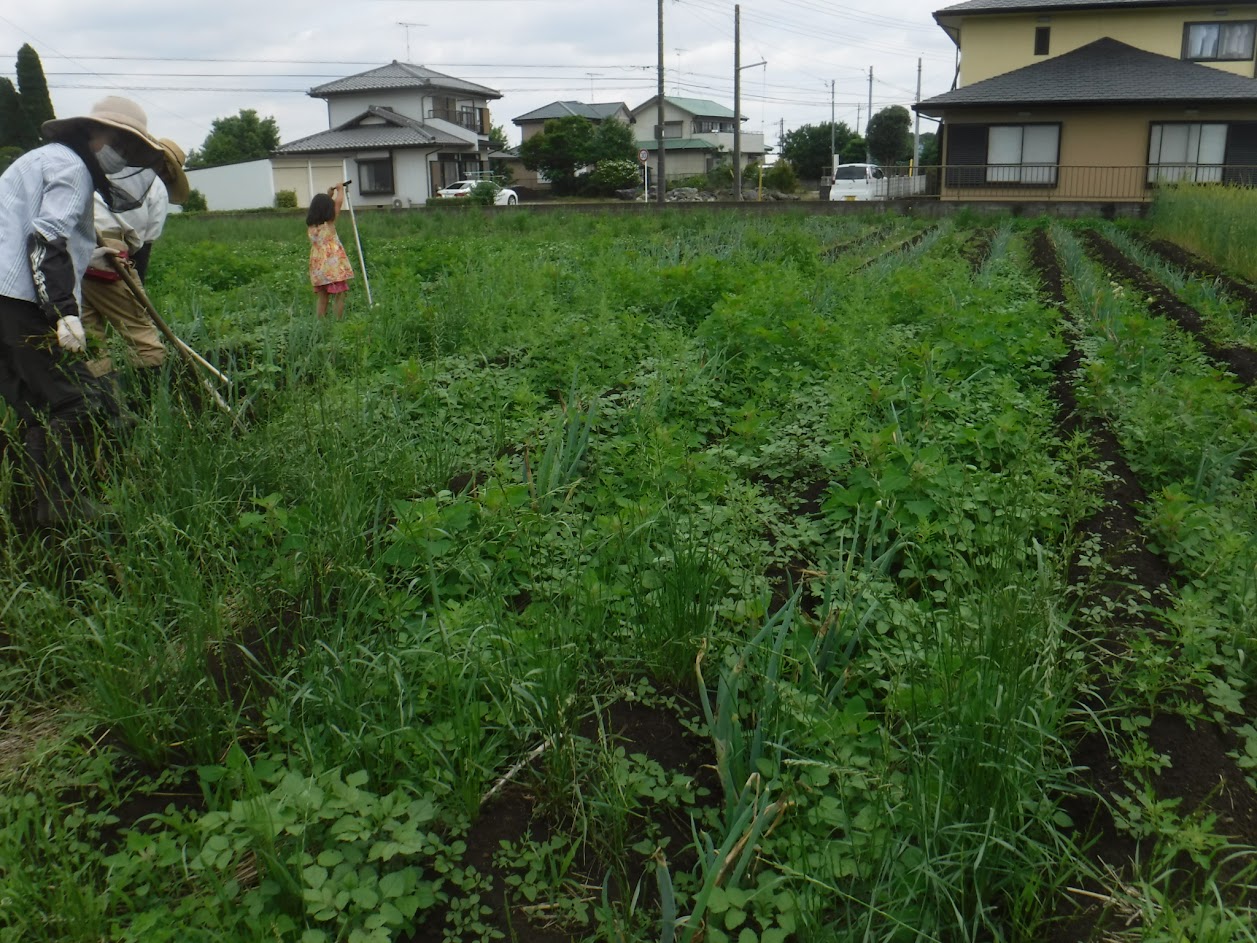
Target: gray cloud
(190,64)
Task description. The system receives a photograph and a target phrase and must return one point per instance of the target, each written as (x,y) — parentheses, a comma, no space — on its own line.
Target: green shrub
(286,200)
(781,176)
(611,175)
(484,193)
(195,203)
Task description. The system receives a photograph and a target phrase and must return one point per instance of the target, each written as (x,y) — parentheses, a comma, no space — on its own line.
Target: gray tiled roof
(679,144)
(1032,6)
(594,112)
(398,131)
(1103,72)
(698,107)
(399,76)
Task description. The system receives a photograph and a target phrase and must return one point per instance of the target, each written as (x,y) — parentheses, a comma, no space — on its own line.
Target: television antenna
(407,27)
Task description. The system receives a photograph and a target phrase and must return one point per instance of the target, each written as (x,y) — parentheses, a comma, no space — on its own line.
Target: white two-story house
(399,132)
(697,135)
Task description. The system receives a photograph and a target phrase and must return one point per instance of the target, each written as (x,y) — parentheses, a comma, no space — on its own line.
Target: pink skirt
(335,288)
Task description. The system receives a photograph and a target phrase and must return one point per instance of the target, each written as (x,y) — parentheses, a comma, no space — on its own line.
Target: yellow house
(1096,99)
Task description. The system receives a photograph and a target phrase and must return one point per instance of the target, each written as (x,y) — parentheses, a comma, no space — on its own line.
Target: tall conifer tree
(14,128)
(33,90)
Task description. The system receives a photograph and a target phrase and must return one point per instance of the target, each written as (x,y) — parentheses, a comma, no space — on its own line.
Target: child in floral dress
(329,265)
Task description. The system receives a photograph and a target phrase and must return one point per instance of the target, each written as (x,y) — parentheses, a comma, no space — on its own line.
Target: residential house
(1096,99)
(697,135)
(533,123)
(400,132)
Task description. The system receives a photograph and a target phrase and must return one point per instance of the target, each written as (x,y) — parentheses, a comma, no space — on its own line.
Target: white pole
(916,128)
(362,262)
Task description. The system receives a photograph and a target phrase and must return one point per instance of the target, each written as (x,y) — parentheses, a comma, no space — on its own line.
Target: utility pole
(661,181)
(833,130)
(916,128)
(737,99)
(868,155)
(737,102)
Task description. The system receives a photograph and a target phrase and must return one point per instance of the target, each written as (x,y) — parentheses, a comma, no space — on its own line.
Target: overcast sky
(189,63)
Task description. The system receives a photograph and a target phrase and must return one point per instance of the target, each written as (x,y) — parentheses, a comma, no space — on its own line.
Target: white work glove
(102,258)
(70,334)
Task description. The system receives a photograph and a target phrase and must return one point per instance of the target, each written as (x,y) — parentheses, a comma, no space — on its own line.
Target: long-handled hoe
(190,356)
(362,261)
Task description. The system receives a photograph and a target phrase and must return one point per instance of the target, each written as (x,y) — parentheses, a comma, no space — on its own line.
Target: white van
(858,182)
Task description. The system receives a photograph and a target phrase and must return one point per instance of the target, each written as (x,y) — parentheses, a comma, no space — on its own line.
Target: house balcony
(473,119)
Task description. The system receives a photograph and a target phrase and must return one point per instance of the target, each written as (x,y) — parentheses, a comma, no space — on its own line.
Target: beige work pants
(112,303)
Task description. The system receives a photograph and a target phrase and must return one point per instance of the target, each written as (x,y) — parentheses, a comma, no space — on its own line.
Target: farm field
(656,577)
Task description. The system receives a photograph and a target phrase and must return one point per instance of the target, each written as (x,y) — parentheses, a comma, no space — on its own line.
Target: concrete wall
(243,186)
(993,44)
(307,176)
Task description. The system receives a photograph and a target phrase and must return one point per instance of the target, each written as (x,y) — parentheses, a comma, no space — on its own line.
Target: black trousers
(37,378)
(62,410)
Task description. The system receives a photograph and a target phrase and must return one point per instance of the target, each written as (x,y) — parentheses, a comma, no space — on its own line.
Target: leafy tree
(7,156)
(889,135)
(33,91)
(497,138)
(613,140)
(195,203)
(239,137)
(15,130)
(562,148)
(807,148)
(929,156)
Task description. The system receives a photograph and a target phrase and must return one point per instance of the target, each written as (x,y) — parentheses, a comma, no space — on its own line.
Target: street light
(737,123)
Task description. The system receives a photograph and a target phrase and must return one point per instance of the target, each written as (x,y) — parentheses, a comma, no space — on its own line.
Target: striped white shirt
(49,191)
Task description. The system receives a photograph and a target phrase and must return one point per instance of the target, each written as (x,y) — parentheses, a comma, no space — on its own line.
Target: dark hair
(322,210)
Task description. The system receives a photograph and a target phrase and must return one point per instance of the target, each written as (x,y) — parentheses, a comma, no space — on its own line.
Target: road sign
(643,155)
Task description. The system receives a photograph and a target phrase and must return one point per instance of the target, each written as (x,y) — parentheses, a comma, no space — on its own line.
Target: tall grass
(1219,223)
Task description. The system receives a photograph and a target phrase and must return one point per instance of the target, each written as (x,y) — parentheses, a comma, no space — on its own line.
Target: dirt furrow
(1201,774)
(1176,255)
(1239,361)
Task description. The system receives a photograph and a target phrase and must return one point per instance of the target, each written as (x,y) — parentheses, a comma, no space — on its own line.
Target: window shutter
(1241,154)
(966,155)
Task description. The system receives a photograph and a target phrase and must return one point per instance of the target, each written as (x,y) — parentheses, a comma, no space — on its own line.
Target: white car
(858,182)
(503,197)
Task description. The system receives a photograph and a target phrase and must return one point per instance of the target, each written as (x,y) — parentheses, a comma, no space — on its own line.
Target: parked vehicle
(857,182)
(503,197)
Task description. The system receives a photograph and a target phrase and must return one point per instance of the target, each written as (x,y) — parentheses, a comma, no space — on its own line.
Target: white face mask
(111,162)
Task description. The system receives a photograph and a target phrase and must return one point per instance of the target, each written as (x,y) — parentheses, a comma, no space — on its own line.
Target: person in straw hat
(47,239)
(106,298)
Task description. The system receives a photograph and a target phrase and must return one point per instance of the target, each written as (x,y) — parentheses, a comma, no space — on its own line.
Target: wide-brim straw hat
(172,171)
(112,111)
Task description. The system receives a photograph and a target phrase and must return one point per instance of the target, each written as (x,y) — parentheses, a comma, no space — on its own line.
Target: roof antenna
(408,26)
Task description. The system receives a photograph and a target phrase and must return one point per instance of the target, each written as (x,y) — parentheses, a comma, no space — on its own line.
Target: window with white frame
(1186,151)
(713,125)
(1219,42)
(1023,153)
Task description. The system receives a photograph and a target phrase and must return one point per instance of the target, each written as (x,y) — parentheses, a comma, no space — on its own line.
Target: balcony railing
(469,119)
